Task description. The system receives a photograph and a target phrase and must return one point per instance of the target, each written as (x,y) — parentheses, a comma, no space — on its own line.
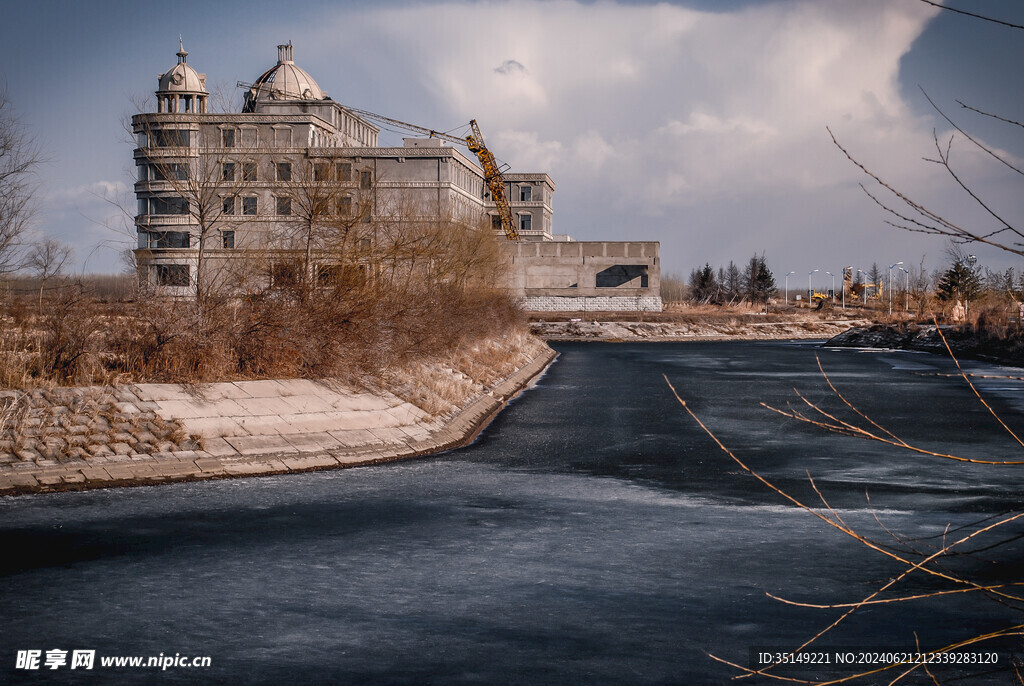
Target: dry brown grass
(358,335)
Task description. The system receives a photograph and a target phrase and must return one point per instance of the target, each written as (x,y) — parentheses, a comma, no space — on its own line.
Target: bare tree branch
(972,14)
(19,157)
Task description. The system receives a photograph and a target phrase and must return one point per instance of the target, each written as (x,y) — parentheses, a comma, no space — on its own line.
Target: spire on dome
(284,54)
(284,81)
(181,51)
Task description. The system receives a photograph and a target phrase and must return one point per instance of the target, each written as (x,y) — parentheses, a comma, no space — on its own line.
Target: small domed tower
(182,90)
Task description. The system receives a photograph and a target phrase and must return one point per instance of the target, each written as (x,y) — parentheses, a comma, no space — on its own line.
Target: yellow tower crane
(493,176)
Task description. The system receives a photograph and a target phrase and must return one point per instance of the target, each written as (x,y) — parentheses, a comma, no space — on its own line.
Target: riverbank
(141,434)
(748,327)
(965,341)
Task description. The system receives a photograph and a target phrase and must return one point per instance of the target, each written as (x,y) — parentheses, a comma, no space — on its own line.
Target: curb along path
(245,428)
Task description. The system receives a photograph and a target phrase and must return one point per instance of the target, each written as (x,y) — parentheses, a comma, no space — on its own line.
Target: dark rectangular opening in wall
(170,138)
(170,239)
(284,275)
(619,275)
(172,275)
(168,205)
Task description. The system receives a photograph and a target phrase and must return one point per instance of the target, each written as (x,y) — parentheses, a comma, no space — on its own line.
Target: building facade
(212,187)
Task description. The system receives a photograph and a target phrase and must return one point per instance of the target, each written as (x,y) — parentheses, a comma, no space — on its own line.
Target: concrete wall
(585,275)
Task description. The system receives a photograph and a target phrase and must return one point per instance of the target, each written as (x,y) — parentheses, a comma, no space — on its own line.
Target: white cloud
(704,130)
(94,219)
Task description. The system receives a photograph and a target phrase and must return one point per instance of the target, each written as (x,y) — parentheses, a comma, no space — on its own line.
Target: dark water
(594,534)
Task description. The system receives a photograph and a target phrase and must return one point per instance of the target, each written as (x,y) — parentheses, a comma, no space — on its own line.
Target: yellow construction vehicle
(861,290)
(493,176)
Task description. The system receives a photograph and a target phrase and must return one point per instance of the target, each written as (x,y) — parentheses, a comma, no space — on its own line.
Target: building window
(283,137)
(249,205)
(170,172)
(227,240)
(283,275)
(344,171)
(365,179)
(172,275)
(249,171)
(496,222)
(143,171)
(227,138)
(227,171)
(170,239)
(171,205)
(321,172)
(525,222)
(170,138)
(328,275)
(284,206)
(525,193)
(284,171)
(228,206)
(622,276)
(249,137)
(141,139)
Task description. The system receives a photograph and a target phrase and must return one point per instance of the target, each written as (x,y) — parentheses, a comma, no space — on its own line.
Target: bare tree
(19,158)
(328,218)
(910,215)
(47,258)
(205,177)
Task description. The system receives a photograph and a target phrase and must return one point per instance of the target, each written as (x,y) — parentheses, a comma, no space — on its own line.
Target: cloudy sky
(698,123)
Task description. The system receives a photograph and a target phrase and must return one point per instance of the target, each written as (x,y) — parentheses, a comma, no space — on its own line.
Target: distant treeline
(730,285)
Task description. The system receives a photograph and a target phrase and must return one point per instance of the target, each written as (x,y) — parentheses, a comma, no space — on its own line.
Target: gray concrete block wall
(568,272)
(550,303)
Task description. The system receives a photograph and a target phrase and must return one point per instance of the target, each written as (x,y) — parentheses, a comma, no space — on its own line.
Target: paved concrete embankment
(152,433)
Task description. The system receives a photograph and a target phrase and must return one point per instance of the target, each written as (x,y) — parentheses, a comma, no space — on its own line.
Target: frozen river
(593,534)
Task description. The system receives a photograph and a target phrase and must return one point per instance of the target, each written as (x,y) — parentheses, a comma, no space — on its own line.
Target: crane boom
(493,177)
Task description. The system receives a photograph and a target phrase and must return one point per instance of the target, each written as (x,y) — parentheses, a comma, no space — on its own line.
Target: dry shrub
(439,388)
(424,296)
(434,388)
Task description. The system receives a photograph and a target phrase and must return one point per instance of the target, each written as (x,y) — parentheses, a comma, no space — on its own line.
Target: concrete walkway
(243,428)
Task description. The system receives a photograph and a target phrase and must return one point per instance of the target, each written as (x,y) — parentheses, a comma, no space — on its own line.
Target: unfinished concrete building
(212,186)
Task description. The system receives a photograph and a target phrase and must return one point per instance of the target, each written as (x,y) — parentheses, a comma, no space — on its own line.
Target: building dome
(182,89)
(283,81)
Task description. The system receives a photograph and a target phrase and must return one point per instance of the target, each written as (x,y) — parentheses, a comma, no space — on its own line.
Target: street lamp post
(971,261)
(810,291)
(846,270)
(833,286)
(787,287)
(906,286)
(891,267)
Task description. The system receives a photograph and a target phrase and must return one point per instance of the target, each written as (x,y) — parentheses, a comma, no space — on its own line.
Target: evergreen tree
(749,278)
(733,282)
(764,282)
(875,277)
(703,285)
(959,283)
